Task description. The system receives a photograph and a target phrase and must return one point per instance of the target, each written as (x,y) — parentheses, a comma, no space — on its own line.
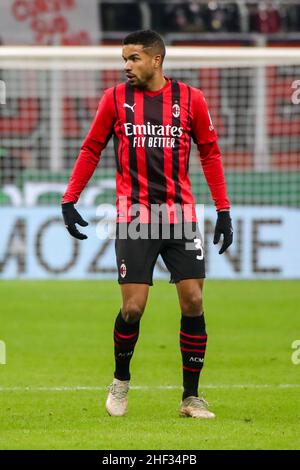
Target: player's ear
(157,59)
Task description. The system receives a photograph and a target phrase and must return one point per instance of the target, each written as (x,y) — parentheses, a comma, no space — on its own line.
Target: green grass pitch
(59,334)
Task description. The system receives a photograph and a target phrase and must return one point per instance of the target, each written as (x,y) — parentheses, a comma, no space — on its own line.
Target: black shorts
(182,253)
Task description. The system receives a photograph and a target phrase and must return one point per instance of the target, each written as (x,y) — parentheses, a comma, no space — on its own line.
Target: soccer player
(152,119)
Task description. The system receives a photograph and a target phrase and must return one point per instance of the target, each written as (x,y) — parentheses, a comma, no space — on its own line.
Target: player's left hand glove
(223,226)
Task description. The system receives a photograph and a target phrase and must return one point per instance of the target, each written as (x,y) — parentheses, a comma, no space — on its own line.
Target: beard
(142,83)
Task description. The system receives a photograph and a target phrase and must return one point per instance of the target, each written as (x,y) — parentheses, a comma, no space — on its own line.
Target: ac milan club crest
(123,270)
(176,110)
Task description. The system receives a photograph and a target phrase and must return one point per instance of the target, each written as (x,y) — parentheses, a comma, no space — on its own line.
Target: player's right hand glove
(72,217)
(223,227)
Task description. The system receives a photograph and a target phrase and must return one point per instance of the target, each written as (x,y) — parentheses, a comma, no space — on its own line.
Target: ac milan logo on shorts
(123,270)
(176,110)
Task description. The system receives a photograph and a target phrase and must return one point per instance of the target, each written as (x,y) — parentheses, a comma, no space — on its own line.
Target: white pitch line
(146,388)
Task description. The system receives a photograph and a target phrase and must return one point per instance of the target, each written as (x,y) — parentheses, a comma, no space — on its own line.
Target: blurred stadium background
(244,55)
(56,58)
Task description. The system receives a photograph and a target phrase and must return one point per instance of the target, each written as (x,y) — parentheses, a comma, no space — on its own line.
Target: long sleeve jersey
(152,134)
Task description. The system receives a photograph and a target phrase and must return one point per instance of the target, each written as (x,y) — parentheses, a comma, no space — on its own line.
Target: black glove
(72,217)
(223,226)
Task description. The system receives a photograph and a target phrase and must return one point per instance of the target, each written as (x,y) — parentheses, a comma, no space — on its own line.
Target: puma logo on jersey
(128,106)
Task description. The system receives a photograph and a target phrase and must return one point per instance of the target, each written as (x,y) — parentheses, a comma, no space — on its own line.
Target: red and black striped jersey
(152,134)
